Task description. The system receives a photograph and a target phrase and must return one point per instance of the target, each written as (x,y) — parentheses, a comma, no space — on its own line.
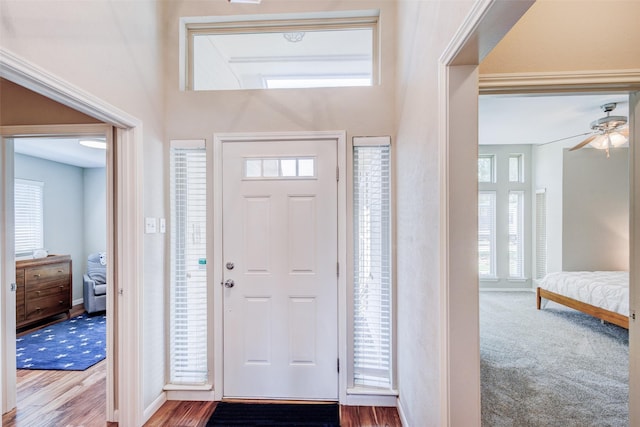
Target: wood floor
(196,414)
(77,399)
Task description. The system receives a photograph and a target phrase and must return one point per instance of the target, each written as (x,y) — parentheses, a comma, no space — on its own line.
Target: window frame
(492,159)
(206,382)
(519,157)
(293,22)
(353,389)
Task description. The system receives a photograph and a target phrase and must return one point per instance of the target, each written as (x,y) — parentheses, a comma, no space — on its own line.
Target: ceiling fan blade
(565,138)
(583,143)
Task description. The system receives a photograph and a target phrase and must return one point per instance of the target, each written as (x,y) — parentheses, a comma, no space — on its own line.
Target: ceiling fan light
(600,142)
(617,139)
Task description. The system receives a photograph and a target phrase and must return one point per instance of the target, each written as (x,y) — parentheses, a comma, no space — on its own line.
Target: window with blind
(188,288)
(487,233)
(516,234)
(29,216)
(372,324)
(541,234)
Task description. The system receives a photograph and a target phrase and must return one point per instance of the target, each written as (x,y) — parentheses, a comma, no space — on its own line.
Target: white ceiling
(541,119)
(62,150)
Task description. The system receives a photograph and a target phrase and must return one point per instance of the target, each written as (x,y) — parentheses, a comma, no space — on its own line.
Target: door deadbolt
(230,266)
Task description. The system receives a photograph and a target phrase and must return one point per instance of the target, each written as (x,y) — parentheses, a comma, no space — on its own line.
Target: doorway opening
(556,226)
(73,226)
(124,200)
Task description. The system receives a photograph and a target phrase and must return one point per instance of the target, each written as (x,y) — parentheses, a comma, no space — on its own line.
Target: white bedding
(605,289)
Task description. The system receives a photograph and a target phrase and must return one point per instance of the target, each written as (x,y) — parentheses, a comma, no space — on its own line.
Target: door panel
(280,233)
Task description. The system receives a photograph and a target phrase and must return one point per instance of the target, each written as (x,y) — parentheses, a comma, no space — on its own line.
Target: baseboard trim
(77,302)
(191,395)
(401,414)
(507,290)
(153,408)
(370,400)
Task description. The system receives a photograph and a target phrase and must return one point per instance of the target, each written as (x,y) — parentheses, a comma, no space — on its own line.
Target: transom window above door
(281,51)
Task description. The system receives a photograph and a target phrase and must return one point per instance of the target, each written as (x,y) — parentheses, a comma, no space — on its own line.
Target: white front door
(280,255)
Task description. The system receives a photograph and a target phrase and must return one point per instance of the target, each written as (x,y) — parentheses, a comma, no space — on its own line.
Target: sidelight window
(372,290)
(188,287)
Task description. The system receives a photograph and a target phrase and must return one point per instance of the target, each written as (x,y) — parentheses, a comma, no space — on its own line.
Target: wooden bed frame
(600,313)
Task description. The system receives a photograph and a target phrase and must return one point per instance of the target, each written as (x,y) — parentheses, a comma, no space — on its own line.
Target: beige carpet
(554,367)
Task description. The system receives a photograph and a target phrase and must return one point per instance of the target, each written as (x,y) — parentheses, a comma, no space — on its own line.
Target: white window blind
(372,265)
(541,234)
(29,216)
(516,234)
(188,289)
(487,233)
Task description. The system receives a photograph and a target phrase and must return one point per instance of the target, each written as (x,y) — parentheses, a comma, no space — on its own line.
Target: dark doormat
(275,414)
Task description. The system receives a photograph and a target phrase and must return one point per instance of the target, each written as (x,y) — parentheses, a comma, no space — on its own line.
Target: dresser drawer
(38,276)
(47,289)
(47,306)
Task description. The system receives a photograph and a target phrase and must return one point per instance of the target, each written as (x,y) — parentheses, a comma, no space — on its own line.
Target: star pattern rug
(72,345)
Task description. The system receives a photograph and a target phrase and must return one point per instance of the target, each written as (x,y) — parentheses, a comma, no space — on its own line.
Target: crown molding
(561,81)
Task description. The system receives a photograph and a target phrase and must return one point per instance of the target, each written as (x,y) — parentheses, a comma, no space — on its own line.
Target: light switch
(163,225)
(150,225)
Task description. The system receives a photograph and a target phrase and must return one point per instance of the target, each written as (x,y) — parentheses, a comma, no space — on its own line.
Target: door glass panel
(270,168)
(288,167)
(253,168)
(280,168)
(306,167)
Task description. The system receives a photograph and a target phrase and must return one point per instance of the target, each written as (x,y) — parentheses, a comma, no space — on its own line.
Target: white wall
(547,165)
(95,210)
(113,50)
(596,210)
(424,30)
(359,111)
(63,209)
(578,185)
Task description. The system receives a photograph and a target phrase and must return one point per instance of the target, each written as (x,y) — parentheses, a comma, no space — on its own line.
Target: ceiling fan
(606,132)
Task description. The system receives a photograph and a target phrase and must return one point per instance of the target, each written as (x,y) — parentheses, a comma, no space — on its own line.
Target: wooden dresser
(43,288)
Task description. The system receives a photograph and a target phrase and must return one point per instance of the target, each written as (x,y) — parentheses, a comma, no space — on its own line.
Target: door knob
(229,283)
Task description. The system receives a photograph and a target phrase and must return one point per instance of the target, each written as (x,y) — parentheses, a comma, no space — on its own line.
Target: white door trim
(484,27)
(124,399)
(8,132)
(216,326)
(459,224)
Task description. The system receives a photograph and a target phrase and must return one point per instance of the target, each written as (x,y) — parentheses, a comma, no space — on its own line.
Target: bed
(602,294)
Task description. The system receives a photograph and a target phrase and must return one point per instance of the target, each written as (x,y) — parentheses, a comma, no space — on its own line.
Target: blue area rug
(72,345)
